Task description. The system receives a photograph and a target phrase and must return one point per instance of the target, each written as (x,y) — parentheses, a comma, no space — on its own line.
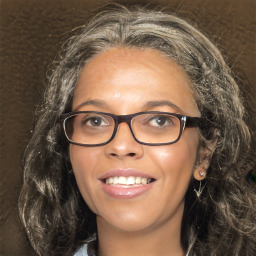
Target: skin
(126,80)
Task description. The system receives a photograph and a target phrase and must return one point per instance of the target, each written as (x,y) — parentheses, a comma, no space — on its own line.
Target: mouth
(128,181)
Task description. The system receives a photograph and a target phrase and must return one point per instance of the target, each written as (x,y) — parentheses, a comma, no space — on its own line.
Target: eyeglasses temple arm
(200,122)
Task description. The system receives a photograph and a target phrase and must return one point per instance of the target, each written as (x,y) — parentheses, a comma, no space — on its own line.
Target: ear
(204,158)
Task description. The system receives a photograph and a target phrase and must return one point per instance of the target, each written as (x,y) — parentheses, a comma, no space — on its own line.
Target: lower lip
(128,192)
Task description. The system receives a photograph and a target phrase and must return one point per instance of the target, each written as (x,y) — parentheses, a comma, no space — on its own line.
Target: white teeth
(144,181)
(138,180)
(130,181)
(122,180)
(116,180)
(127,180)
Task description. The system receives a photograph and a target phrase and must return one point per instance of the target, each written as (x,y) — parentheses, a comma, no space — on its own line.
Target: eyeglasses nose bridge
(123,119)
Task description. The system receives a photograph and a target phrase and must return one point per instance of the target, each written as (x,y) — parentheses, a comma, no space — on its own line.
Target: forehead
(134,76)
(131,56)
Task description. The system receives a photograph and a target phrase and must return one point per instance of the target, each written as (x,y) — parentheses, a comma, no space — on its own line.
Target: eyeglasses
(154,128)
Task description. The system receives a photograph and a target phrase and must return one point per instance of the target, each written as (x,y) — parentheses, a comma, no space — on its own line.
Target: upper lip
(124,173)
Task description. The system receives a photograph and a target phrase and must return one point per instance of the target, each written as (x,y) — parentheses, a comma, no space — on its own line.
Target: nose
(124,145)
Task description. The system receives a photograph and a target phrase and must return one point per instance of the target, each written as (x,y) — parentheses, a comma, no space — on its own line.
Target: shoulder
(88,248)
(82,251)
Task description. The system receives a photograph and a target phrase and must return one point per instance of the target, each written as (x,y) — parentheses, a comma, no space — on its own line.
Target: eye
(161,121)
(95,121)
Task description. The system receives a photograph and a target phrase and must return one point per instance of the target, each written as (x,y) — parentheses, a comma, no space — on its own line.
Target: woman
(140,147)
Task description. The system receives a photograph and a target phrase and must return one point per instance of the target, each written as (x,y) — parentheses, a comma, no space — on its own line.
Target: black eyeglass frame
(185,121)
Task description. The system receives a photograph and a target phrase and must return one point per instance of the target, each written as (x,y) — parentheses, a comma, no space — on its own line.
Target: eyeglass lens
(93,128)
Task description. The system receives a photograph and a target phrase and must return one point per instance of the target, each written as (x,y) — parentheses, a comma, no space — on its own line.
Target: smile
(125,184)
(131,180)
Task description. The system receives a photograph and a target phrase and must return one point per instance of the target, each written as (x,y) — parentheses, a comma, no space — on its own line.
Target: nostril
(116,155)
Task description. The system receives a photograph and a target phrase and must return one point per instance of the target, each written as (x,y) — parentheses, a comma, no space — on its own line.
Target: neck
(161,240)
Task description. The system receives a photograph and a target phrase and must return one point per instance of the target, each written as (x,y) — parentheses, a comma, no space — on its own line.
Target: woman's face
(124,81)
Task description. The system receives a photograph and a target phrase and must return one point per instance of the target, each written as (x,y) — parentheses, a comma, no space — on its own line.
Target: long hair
(56,218)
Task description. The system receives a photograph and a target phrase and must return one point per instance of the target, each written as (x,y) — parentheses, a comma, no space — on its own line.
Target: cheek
(84,163)
(176,160)
(82,159)
(174,164)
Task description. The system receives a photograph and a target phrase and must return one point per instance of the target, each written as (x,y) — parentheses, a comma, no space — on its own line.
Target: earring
(201,174)
(200,190)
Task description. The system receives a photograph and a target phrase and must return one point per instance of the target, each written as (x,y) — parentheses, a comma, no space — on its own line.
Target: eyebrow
(148,105)
(96,103)
(152,104)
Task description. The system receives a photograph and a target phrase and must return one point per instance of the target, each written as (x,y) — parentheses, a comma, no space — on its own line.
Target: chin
(130,219)
(128,223)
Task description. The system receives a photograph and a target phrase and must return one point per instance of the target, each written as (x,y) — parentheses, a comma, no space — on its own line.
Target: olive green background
(31,34)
